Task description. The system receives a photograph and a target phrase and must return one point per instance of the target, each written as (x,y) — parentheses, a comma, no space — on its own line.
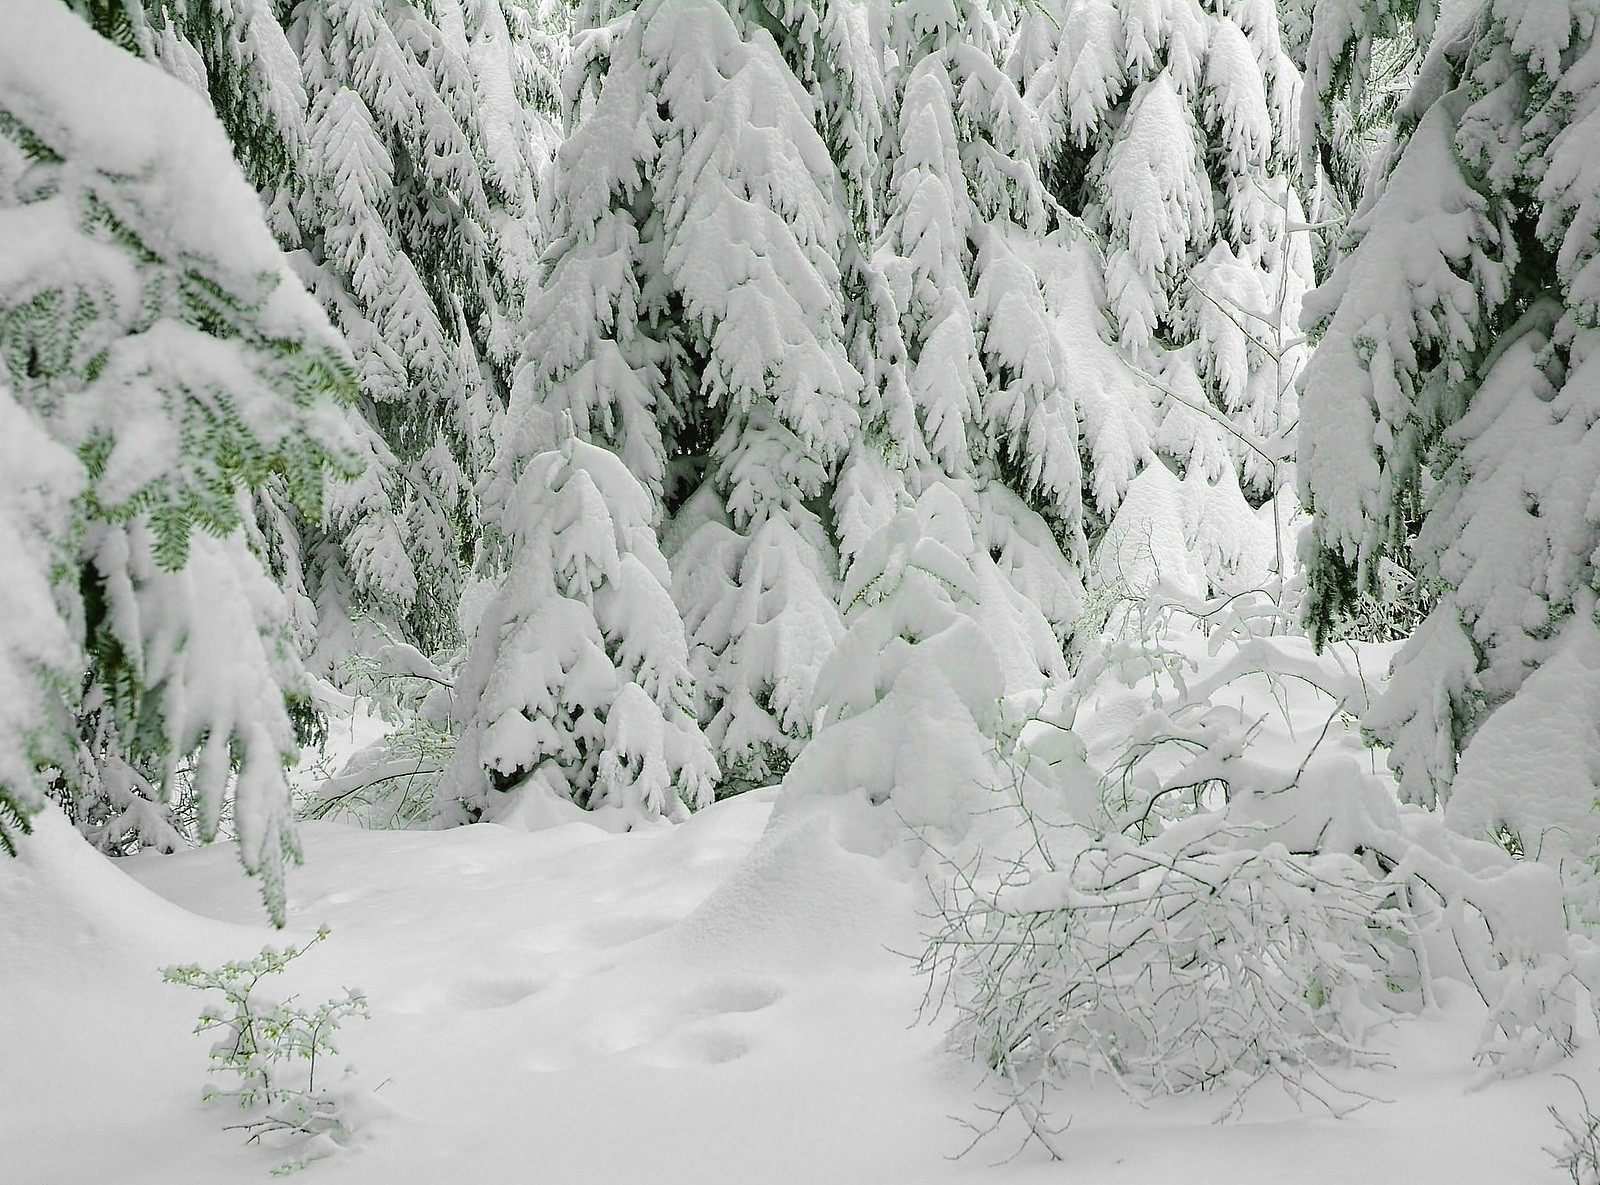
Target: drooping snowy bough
(160,363)
(1449,417)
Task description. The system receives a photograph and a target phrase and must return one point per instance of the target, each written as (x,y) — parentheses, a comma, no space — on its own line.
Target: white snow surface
(719,1001)
(1530,767)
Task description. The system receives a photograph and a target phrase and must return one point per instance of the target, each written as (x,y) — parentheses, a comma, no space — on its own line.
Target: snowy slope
(702,1003)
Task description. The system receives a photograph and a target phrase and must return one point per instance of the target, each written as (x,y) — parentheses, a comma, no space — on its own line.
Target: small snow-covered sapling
(271,1048)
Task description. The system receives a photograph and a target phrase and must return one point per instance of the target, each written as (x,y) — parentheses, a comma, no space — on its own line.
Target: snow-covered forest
(818,591)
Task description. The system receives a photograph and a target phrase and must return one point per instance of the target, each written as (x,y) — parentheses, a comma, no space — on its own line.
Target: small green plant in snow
(269,1052)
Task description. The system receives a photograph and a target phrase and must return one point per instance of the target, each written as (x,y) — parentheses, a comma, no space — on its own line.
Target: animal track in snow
(707,1044)
(701,1026)
(485,992)
(735,996)
(708,1032)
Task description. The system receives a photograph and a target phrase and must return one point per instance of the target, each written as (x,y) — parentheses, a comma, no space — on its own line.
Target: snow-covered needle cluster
(1022,429)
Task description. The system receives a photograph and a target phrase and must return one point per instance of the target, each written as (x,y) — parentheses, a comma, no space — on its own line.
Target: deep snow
(716,1001)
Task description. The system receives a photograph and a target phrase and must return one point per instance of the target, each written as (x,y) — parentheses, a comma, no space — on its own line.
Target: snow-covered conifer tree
(919,701)
(1005,348)
(1449,413)
(909,703)
(1170,131)
(397,149)
(962,382)
(238,57)
(761,629)
(958,337)
(158,350)
(577,681)
(924,255)
(421,165)
(964,217)
(691,319)
(1359,64)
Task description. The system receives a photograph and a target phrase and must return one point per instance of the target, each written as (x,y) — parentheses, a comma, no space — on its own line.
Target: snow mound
(800,900)
(59,885)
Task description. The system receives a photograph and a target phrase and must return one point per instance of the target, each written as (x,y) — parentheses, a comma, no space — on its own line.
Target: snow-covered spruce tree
(691,320)
(1170,131)
(396,148)
(152,333)
(577,682)
(1449,413)
(422,162)
(1359,67)
(834,49)
(1002,331)
(515,65)
(985,394)
(235,54)
(971,331)
(1049,356)
(966,394)
(762,612)
(238,57)
(1351,53)
(909,704)
(40,656)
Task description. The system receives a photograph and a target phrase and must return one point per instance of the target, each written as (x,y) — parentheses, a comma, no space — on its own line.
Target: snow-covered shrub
(1202,887)
(576,680)
(1176,966)
(393,782)
(150,327)
(261,1043)
(1579,1152)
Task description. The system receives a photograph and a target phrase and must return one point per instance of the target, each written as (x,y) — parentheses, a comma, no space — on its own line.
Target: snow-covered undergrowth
(722,1001)
(1203,882)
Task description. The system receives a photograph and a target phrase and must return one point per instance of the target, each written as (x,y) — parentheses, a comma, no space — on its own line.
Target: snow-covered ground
(713,1002)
